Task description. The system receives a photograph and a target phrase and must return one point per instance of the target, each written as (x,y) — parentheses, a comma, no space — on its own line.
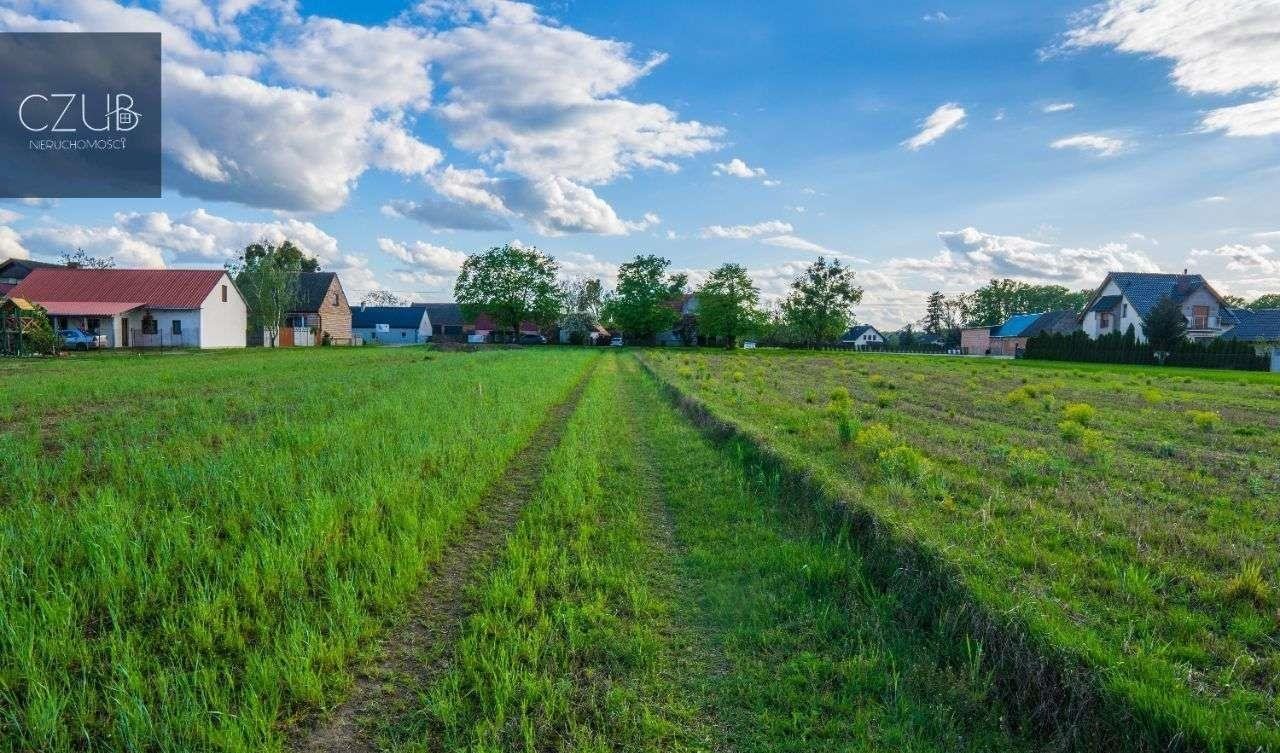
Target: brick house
(322,309)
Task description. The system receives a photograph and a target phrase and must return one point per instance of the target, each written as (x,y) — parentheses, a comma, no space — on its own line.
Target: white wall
(223,325)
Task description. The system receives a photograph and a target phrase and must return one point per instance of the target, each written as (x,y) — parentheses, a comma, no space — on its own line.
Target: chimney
(1184,270)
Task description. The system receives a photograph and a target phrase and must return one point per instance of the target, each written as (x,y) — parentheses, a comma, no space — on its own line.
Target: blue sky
(1068,139)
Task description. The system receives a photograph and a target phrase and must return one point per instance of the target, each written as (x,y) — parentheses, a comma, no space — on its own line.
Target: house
(1262,328)
(139,308)
(13,271)
(485,327)
(1126,298)
(863,337)
(446,320)
(322,309)
(590,336)
(685,331)
(391,325)
(1011,338)
(976,341)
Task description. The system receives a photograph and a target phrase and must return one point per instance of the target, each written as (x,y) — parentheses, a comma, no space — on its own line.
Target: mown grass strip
(567,647)
(809,653)
(1056,695)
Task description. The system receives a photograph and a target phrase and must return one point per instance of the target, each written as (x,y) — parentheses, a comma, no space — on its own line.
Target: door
(286,336)
(124,332)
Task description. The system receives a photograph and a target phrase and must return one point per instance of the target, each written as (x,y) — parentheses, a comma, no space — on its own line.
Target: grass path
(417,651)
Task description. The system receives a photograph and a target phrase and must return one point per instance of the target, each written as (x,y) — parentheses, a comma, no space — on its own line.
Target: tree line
(515,284)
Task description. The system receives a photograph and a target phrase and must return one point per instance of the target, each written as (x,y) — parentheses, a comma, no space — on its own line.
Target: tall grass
(195,546)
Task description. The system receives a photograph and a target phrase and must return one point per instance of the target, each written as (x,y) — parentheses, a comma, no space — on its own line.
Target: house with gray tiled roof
(1126,298)
(1260,327)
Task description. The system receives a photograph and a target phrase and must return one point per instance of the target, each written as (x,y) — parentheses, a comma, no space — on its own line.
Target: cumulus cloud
(738,169)
(422,256)
(1053,107)
(946,118)
(796,243)
(1102,146)
(1222,47)
(979,255)
(768,227)
(937,17)
(11,244)
(1258,261)
(8,215)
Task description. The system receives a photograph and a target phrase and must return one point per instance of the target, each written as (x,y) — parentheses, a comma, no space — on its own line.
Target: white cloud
(11,245)
(797,244)
(738,169)
(1254,261)
(1058,107)
(424,257)
(1267,234)
(649,220)
(1213,199)
(768,227)
(8,215)
(770,183)
(1102,146)
(1220,47)
(946,118)
(937,17)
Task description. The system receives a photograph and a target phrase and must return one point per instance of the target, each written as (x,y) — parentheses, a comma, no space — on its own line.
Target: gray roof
(442,314)
(1145,289)
(1106,303)
(855,332)
(311,289)
(396,317)
(1263,324)
(1062,322)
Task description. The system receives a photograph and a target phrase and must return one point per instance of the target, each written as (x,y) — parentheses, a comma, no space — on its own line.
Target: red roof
(89,308)
(153,288)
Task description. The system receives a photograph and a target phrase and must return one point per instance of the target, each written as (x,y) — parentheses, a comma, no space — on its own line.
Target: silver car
(78,339)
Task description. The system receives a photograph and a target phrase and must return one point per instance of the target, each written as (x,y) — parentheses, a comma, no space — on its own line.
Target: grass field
(207,551)
(1125,521)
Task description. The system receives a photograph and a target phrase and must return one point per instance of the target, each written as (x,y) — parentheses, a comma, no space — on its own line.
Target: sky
(930,146)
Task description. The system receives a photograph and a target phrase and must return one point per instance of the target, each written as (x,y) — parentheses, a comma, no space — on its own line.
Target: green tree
(998,300)
(511,284)
(907,337)
(583,301)
(1268,301)
(380,297)
(820,305)
(641,304)
(728,304)
(287,255)
(269,284)
(935,313)
(1235,302)
(82,260)
(1166,325)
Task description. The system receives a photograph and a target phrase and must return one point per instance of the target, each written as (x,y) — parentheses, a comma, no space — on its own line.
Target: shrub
(1207,420)
(879,381)
(884,400)
(810,396)
(738,376)
(873,439)
(1249,586)
(1094,443)
(846,429)
(840,395)
(1153,396)
(903,463)
(684,372)
(1028,466)
(1081,413)
(1166,449)
(1071,431)
(1017,397)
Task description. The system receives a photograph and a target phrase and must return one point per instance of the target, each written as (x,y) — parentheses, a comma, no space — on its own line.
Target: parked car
(474,338)
(530,338)
(78,339)
(616,342)
(749,344)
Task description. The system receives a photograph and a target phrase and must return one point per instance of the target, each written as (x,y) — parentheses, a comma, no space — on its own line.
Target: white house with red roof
(140,308)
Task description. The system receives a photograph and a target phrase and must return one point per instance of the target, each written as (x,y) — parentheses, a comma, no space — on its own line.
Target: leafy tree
(907,337)
(511,284)
(268,280)
(1235,302)
(728,304)
(1268,301)
(935,313)
(998,300)
(382,298)
(820,305)
(585,297)
(640,305)
(287,255)
(1166,326)
(82,260)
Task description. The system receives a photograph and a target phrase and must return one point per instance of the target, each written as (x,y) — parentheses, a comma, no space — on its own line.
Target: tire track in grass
(419,649)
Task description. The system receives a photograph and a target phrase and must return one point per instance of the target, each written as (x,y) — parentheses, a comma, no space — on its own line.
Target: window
(149,326)
(335,299)
(224,293)
(1124,311)
(91,325)
(177,327)
(1104,320)
(62,322)
(1200,317)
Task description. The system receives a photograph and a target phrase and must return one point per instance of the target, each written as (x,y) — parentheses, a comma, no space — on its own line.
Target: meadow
(221,551)
(1108,534)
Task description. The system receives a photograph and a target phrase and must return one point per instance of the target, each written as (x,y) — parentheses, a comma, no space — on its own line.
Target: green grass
(1138,543)
(195,547)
